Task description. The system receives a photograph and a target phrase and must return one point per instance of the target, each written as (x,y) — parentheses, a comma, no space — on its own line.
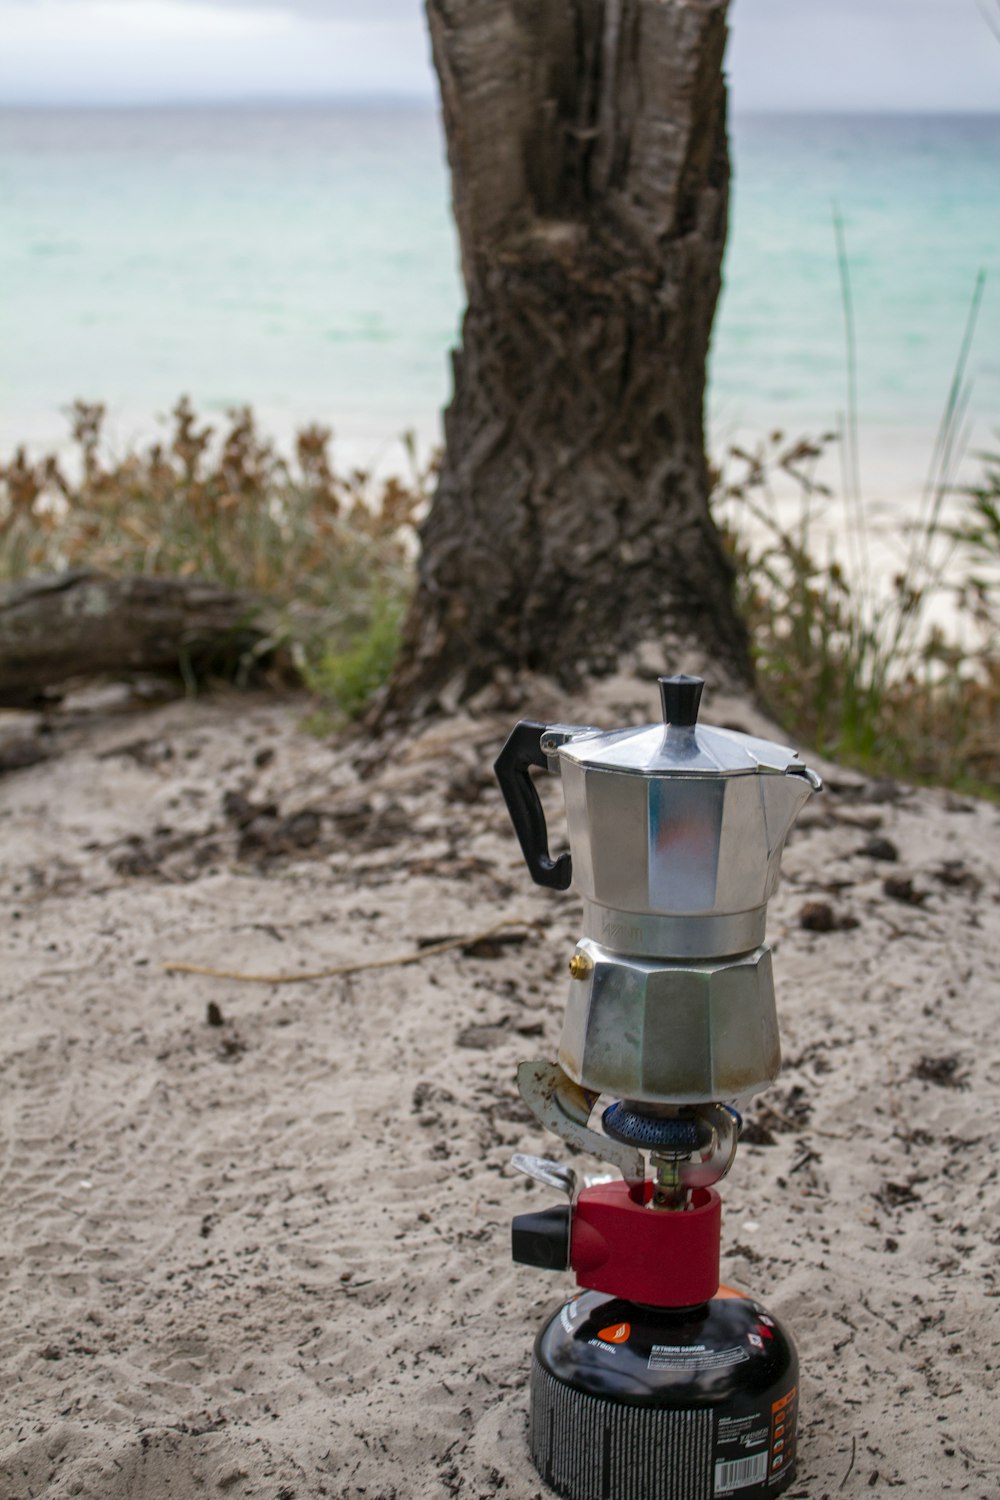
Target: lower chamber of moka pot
(641,1403)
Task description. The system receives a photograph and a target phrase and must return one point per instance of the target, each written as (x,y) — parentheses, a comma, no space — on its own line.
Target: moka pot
(676,832)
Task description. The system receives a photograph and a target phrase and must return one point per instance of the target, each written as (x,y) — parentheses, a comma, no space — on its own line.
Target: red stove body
(664,1259)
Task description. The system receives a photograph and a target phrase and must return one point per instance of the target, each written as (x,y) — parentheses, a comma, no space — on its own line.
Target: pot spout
(784,798)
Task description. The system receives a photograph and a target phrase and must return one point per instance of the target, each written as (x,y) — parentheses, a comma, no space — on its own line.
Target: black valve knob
(542,1239)
(681,697)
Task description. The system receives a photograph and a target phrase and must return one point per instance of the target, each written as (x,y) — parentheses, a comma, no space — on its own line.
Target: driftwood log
(590,176)
(87,624)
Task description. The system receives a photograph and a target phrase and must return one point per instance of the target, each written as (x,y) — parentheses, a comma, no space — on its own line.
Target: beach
(267,983)
(257,1233)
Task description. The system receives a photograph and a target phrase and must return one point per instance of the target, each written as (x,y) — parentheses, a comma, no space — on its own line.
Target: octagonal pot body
(677,865)
(671,1033)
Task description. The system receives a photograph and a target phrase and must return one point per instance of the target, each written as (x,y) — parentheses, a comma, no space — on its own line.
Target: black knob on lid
(681,697)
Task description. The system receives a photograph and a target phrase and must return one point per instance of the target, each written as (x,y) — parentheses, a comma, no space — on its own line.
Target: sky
(899,55)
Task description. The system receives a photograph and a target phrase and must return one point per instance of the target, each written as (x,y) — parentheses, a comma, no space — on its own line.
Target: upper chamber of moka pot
(676,832)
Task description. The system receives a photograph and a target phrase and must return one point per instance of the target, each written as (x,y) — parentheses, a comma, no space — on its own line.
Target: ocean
(303,260)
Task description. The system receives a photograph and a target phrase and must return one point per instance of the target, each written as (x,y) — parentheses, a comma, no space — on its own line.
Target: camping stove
(655,1382)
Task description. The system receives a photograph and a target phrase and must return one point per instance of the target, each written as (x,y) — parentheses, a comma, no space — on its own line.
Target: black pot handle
(524,749)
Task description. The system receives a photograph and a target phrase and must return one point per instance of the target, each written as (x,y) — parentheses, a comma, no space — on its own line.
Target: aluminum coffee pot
(676,832)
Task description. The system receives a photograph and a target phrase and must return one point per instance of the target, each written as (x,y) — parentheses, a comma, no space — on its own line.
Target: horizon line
(370,101)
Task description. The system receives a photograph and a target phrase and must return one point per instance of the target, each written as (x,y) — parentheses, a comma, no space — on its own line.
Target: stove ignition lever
(563,1107)
(549,1173)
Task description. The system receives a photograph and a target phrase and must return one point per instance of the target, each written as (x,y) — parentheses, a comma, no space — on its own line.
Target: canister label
(756,1449)
(589,1448)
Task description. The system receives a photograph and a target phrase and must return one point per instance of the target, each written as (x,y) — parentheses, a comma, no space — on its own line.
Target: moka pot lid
(680,746)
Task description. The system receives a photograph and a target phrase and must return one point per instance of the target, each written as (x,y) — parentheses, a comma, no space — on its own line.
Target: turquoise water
(304,260)
(919,198)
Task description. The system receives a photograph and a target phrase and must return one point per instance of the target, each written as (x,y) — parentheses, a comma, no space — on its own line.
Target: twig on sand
(850,1466)
(783,1119)
(355,967)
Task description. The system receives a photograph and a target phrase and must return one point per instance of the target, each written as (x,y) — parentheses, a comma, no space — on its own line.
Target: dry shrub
(331,552)
(852,664)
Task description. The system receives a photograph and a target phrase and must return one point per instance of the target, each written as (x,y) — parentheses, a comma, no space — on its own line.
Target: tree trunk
(86,624)
(590,172)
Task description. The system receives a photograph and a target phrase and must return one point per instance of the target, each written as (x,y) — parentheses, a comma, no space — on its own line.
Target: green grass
(348,678)
(860,669)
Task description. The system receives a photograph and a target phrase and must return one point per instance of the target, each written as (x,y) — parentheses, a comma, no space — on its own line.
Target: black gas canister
(639,1403)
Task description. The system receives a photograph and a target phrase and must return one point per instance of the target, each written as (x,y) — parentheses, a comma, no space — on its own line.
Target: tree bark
(590,171)
(86,624)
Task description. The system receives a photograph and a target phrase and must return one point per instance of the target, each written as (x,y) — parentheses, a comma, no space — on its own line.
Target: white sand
(270,1258)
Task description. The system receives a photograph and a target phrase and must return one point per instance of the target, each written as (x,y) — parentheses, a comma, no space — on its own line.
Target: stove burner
(655,1133)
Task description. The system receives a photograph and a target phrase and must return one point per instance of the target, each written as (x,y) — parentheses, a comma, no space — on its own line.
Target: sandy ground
(269,1257)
